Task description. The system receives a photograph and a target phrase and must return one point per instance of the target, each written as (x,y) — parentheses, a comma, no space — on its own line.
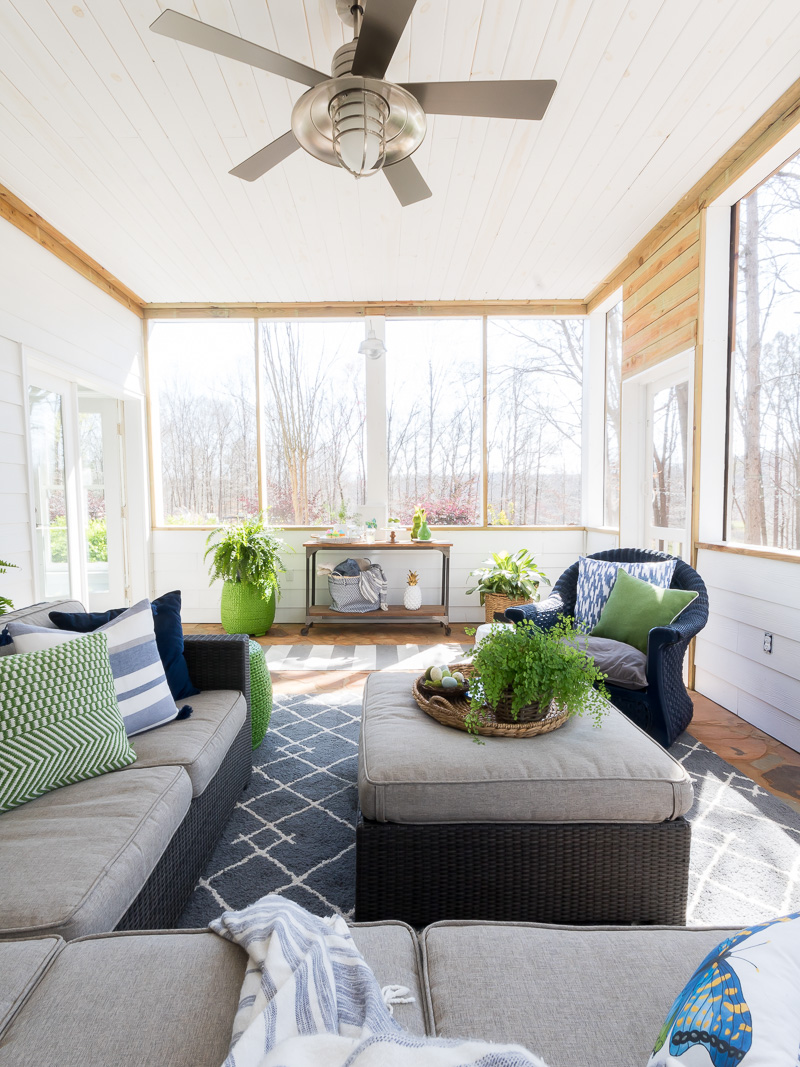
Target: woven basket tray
(452,711)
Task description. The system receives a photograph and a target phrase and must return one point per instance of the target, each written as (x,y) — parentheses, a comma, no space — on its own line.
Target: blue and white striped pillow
(142,692)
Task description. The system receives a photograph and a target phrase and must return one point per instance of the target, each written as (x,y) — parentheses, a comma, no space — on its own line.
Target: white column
(377,504)
(594,411)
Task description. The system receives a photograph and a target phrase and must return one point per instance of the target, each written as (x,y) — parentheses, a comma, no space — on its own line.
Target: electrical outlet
(288,576)
(768,643)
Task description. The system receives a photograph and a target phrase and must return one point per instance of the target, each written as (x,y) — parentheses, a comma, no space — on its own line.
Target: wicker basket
(453,711)
(493,602)
(244,610)
(529,713)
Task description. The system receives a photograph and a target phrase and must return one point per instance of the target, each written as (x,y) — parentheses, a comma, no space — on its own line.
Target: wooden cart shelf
(427,613)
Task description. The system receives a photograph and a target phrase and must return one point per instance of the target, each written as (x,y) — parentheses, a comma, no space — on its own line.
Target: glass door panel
(46,412)
(102,504)
(669,481)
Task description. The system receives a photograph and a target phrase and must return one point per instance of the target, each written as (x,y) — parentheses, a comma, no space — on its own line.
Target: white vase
(412,598)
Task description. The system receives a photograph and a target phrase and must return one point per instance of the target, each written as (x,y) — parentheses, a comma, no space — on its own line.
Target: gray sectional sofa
(576,996)
(124,850)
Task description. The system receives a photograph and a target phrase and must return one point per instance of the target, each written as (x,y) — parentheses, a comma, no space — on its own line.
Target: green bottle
(424,533)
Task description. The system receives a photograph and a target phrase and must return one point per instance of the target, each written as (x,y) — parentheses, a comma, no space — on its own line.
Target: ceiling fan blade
(191,31)
(493,100)
(266,158)
(383,25)
(408,184)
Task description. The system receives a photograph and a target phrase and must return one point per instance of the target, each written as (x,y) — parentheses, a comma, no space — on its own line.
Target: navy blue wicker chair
(664,709)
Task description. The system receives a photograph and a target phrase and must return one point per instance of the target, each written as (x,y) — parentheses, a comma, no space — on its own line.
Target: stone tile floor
(768,762)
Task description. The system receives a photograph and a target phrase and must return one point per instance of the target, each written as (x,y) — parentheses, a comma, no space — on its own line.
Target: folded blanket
(310,1000)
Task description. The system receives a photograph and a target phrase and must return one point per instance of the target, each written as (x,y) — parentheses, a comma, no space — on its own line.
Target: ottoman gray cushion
(75,859)
(413,770)
(575,996)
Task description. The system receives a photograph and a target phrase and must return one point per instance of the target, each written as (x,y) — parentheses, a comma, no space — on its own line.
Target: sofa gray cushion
(413,770)
(198,744)
(36,615)
(22,964)
(574,996)
(75,859)
(132,1000)
(392,951)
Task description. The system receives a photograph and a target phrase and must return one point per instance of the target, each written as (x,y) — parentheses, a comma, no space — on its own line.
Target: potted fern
(519,671)
(506,580)
(5,603)
(246,557)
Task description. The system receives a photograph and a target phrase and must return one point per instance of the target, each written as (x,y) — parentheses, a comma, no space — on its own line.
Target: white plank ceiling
(123,140)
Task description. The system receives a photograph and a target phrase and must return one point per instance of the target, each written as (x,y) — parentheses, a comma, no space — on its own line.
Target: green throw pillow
(59,719)
(635,607)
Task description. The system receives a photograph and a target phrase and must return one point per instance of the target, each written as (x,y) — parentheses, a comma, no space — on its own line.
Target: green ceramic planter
(244,610)
(260,693)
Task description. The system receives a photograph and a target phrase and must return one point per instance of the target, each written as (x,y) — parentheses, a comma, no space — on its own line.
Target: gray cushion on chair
(75,859)
(22,964)
(573,996)
(625,665)
(132,1000)
(198,744)
(392,951)
(413,770)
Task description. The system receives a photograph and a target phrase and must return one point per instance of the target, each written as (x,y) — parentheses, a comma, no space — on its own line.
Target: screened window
(202,380)
(613,378)
(434,419)
(313,420)
(764,417)
(534,388)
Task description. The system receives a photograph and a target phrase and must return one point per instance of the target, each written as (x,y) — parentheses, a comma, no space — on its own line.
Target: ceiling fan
(355,119)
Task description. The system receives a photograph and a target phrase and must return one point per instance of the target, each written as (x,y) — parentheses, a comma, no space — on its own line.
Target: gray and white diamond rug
(293,831)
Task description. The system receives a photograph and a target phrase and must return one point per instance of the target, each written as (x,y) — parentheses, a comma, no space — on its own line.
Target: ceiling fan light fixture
(359,130)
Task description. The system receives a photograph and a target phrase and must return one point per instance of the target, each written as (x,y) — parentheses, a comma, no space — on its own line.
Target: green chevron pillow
(59,719)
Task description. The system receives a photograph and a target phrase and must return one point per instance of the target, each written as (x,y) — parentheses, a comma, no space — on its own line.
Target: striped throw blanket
(310,1000)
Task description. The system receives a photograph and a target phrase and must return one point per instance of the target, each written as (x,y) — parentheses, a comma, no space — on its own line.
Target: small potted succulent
(520,671)
(246,556)
(506,580)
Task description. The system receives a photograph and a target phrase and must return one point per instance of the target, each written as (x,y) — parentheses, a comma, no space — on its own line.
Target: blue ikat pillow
(596,579)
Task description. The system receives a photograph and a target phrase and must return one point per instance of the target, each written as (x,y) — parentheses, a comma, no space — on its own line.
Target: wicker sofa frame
(664,709)
(571,873)
(215,662)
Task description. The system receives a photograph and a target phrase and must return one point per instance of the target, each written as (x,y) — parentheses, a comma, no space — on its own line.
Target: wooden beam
(670,344)
(774,124)
(337,309)
(18,213)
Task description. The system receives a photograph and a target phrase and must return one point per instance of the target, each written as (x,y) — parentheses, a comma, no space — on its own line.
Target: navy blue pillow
(168,630)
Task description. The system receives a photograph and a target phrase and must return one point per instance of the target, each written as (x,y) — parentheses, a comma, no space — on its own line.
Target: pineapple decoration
(412,598)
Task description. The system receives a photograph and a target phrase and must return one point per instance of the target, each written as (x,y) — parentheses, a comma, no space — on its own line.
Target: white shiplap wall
(53,315)
(178,564)
(749,596)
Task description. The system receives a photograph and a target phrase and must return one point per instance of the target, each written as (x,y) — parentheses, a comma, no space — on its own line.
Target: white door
(668,464)
(77,484)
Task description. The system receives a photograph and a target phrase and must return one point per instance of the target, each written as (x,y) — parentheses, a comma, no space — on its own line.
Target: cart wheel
(447,631)
(305,629)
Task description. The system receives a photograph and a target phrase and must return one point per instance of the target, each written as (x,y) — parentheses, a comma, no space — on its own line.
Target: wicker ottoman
(577,826)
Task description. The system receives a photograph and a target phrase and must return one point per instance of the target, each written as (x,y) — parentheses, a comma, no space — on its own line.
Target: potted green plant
(506,580)
(519,671)
(5,603)
(246,557)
